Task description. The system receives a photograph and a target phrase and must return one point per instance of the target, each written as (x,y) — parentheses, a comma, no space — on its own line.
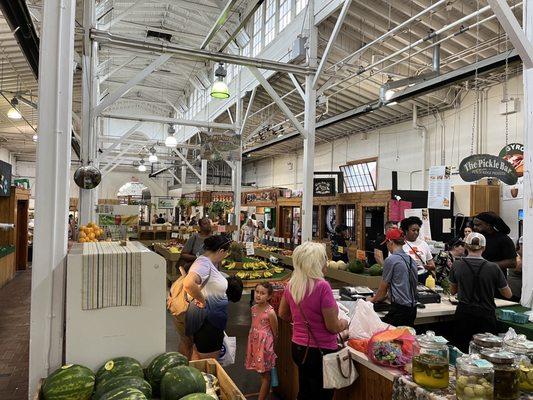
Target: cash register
(426,295)
(352,293)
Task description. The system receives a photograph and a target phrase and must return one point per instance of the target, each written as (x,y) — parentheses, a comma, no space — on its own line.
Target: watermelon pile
(168,377)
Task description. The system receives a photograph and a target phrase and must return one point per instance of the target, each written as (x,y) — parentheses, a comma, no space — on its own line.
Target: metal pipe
(167,120)
(219,23)
(124,42)
(387,34)
(436,56)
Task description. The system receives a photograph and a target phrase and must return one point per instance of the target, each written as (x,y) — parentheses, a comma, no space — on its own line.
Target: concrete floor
(238,326)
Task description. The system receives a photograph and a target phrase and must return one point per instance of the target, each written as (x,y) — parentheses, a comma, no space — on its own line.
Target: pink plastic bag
(391,347)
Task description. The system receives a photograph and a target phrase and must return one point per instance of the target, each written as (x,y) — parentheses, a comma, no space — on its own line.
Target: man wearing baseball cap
(476,281)
(400,279)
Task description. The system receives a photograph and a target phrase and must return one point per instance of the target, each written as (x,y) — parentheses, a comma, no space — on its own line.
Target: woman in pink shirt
(309,304)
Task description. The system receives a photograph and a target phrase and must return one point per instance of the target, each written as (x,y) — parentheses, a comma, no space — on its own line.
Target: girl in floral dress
(260,355)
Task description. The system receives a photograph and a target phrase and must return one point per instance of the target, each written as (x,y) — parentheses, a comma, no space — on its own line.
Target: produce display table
(172,260)
(525,329)
(352,279)
(228,389)
(286,260)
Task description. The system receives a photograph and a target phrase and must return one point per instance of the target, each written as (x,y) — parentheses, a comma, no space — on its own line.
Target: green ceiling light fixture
(13,112)
(220,90)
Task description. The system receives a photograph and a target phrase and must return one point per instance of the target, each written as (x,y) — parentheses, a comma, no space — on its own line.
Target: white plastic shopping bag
(227,353)
(365,321)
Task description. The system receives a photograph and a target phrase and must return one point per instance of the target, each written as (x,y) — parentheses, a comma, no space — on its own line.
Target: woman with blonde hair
(309,304)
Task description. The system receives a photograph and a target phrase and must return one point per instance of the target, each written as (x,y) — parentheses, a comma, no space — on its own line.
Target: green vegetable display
(119,366)
(181,381)
(356,266)
(124,394)
(160,365)
(197,396)
(70,382)
(122,382)
(375,270)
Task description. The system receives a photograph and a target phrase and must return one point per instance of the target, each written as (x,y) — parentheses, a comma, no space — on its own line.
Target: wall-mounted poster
(218,146)
(480,166)
(440,190)
(166,203)
(5,178)
(324,187)
(423,214)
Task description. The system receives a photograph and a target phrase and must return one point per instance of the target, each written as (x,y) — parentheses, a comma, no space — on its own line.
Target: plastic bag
(365,321)
(392,347)
(227,353)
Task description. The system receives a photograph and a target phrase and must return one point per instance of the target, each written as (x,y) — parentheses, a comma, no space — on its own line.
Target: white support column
(183,176)
(527,260)
(90,95)
(203,178)
(309,123)
(237,165)
(52,189)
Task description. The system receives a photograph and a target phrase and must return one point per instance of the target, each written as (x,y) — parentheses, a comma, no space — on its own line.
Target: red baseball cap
(393,234)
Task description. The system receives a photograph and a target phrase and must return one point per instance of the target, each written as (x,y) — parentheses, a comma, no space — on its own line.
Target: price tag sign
(250,251)
(159,228)
(186,236)
(341,249)
(174,235)
(221,228)
(361,255)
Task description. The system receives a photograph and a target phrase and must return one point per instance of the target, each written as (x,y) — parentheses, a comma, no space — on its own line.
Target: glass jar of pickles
(522,348)
(475,378)
(431,362)
(485,342)
(506,374)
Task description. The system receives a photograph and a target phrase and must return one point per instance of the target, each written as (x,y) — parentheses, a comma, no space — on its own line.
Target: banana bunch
(230,265)
(254,265)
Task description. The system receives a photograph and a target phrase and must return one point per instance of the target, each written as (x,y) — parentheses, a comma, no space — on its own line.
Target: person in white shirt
(248,232)
(417,248)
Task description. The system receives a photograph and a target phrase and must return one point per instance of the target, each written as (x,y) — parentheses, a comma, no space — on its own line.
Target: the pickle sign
(480,166)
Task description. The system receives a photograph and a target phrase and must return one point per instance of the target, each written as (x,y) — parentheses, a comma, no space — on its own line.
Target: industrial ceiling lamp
(35,137)
(152,157)
(220,89)
(13,112)
(171,140)
(142,167)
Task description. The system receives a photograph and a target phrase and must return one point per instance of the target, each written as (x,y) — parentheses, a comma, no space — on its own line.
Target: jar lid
(429,339)
(474,362)
(520,345)
(499,357)
(487,340)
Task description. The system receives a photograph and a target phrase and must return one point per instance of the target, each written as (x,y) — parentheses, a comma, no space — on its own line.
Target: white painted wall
(398,147)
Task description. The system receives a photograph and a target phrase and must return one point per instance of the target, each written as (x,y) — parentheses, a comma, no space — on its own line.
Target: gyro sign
(479,166)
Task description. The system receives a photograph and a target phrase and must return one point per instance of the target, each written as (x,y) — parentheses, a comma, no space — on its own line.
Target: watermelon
(70,382)
(124,394)
(375,270)
(160,365)
(135,382)
(356,266)
(197,396)
(181,381)
(119,366)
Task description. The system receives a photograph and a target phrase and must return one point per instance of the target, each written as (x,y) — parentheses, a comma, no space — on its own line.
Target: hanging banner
(5,179)
(397,209)
(217,146)
(514,154)
(165,203)
(423,214)
(480,166)
(440,189)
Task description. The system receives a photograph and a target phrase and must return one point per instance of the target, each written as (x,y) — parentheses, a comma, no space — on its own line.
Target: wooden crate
(354,279)
(228,389)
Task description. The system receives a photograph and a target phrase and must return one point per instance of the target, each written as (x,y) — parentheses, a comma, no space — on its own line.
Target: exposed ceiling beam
(219,23)
(171,121)
(124,14)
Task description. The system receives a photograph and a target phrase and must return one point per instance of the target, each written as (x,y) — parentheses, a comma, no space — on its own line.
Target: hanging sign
(324,187)
(440,190)
(514,153)
(165,203)
(480,166)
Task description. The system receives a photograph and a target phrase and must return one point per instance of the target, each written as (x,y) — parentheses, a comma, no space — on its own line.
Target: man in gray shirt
(400,278)
(194,247)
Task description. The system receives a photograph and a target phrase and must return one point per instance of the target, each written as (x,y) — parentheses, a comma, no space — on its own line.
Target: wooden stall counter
(7,264)
(374,382)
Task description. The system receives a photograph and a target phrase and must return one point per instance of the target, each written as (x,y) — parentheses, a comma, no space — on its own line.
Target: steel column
(52,189)
(309,123)
(237,165)
(527,256)
(203,177)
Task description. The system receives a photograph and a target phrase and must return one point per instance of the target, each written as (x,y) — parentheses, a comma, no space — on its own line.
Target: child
(260,355)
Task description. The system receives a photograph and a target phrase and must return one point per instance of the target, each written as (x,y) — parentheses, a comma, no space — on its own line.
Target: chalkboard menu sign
(324,187)
(5,179)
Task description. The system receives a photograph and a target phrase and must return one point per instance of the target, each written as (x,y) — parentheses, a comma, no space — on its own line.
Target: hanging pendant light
(35,137)
(152,157)
(13,112)
(171,140)
(220,90)
(142,167)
